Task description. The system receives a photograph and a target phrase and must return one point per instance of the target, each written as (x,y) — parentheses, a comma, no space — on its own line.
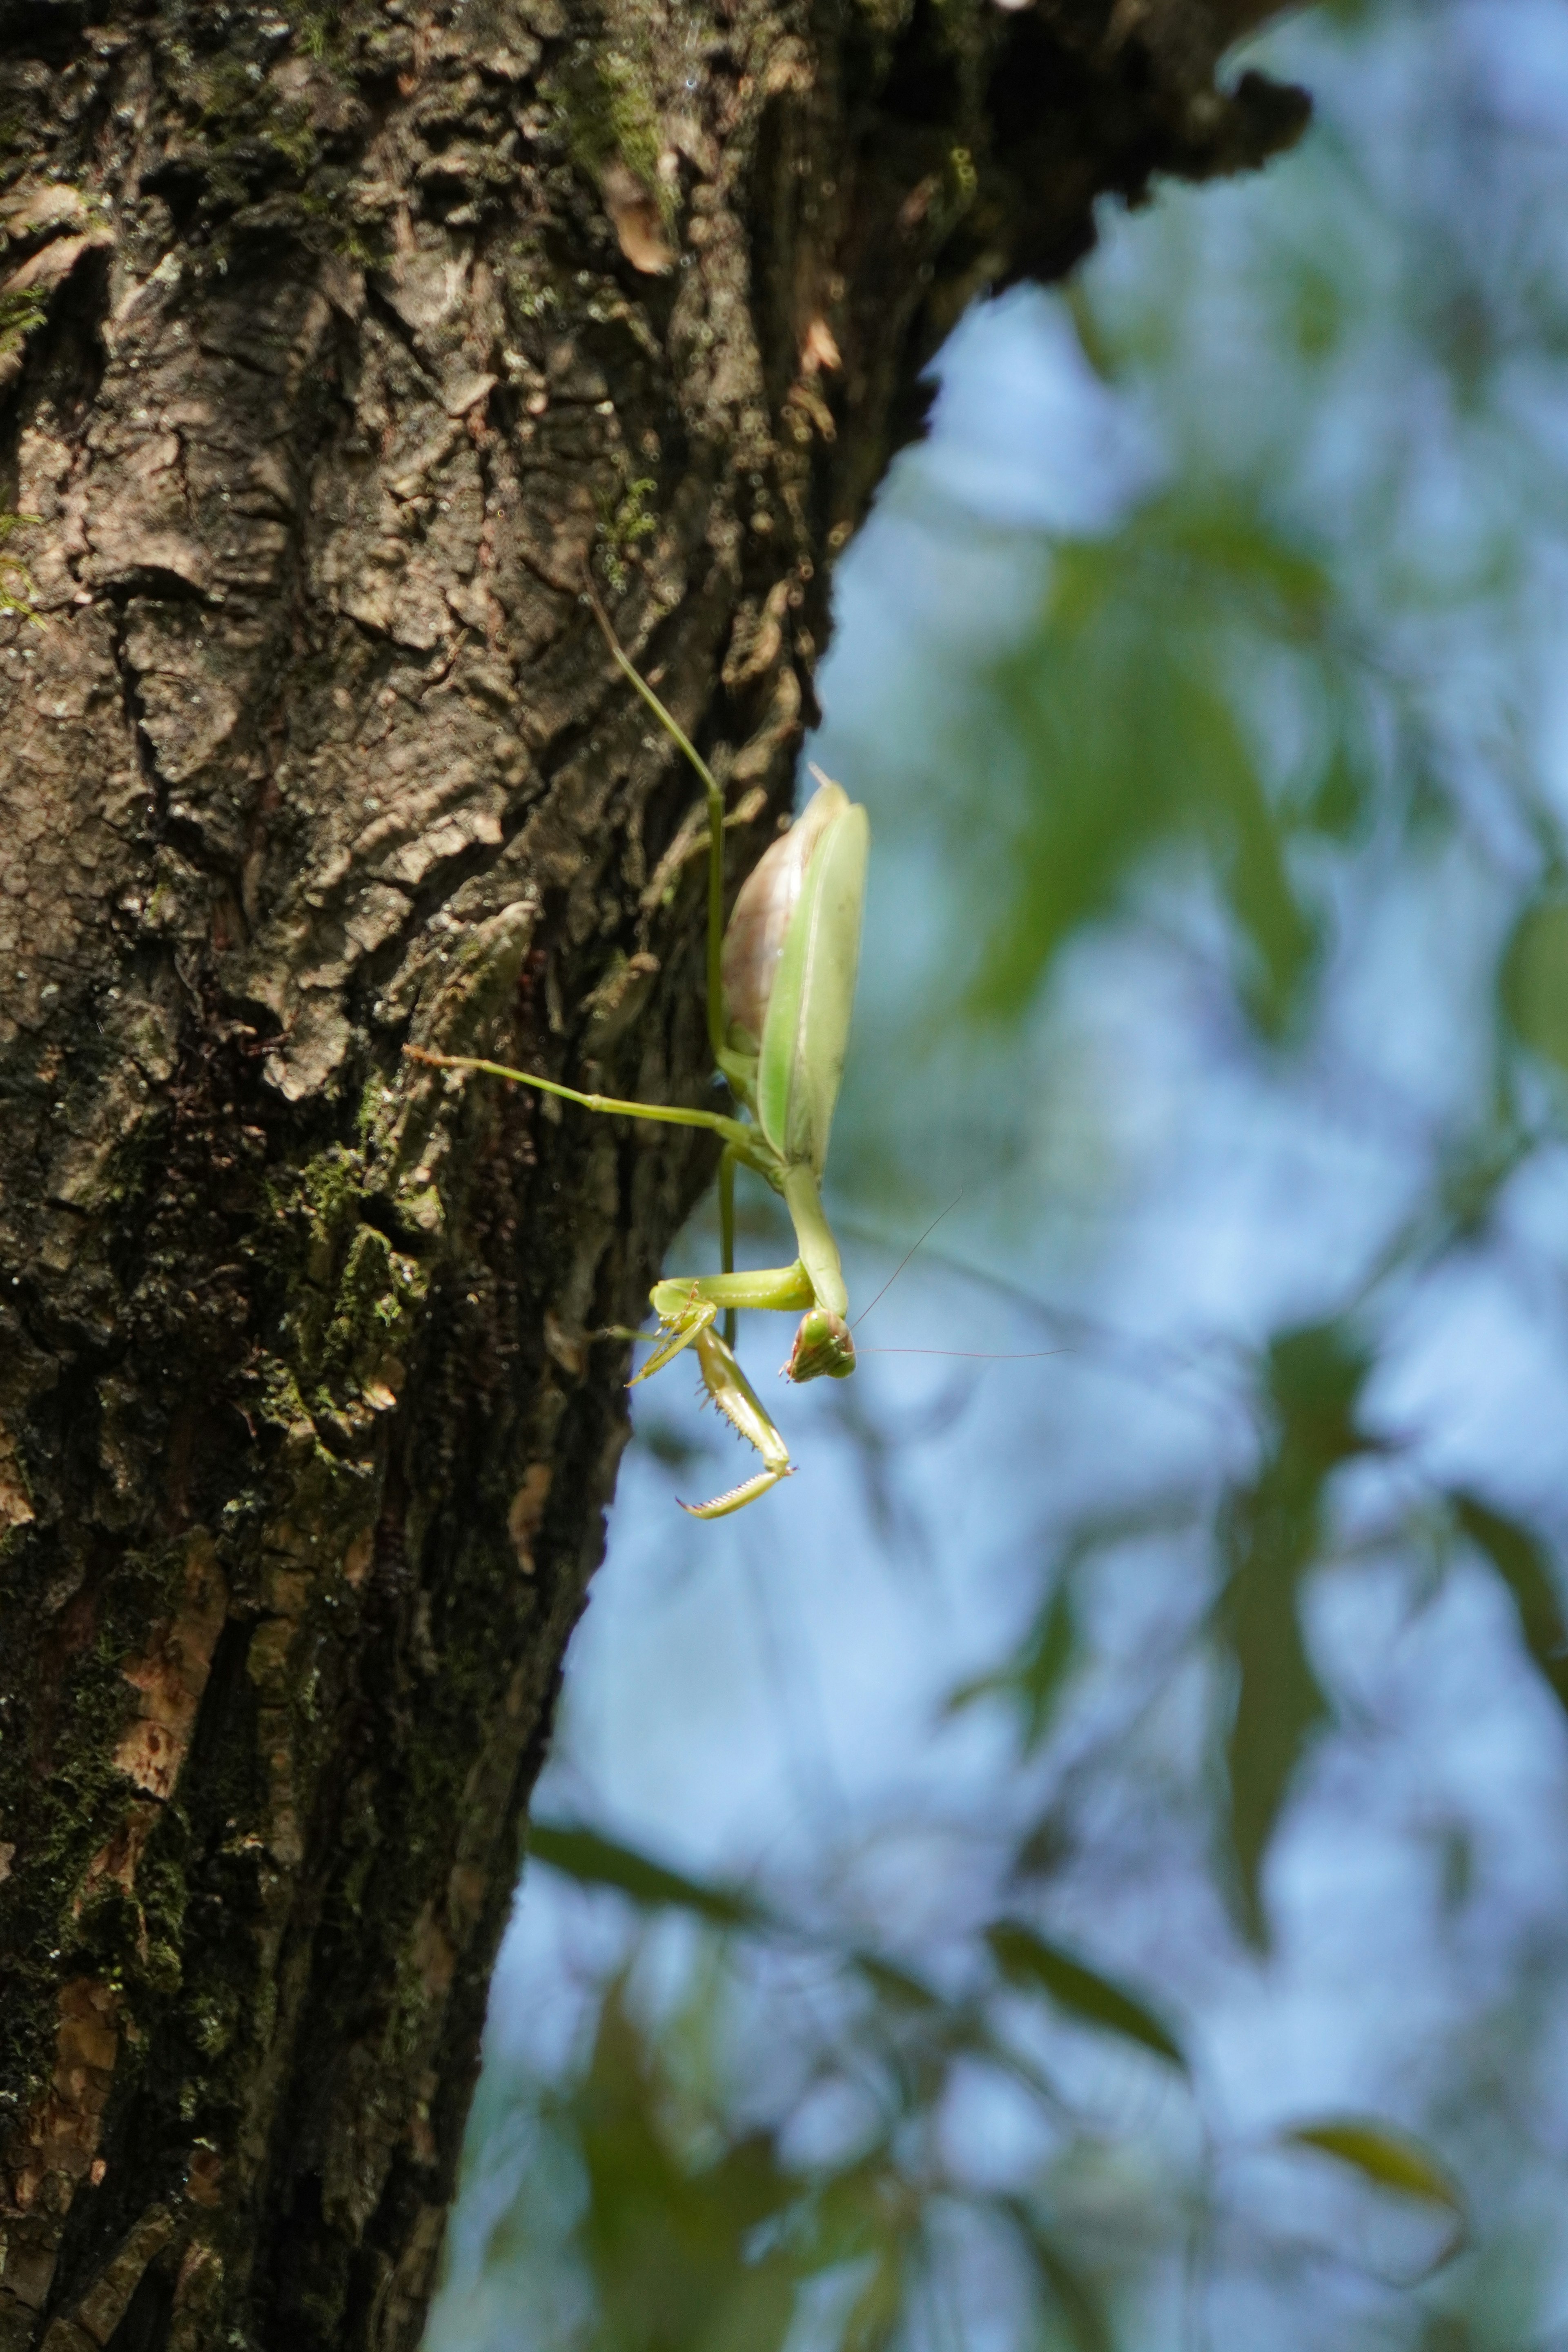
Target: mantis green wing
(806,1030)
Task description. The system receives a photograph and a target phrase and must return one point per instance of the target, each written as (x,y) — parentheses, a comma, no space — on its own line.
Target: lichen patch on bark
(170,1676)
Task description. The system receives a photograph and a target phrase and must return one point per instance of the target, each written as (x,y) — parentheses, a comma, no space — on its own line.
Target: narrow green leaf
(1029,1962)
(1275,940)
(1315,1375)
(873,2318)
(1524,1565)
(1130,702)
(1279,1701)
(595,1861)
(1035,1677)
(894,1984)
(1038,1672)
(1045,1667)
(860,2209)
(1336,804)
(1075,2297)
(1535,977)
(671,2242)
(1272,1531)
(1389,2159)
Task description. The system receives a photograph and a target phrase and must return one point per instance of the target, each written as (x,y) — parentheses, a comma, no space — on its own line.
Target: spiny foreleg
(736,1398)
(687,1310)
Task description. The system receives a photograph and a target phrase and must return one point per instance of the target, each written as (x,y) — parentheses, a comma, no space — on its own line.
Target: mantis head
(822,1345)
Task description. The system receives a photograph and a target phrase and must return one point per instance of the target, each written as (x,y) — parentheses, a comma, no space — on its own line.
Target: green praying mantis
(780,988)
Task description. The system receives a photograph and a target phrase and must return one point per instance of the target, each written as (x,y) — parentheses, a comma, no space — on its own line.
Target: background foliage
(1083,1865)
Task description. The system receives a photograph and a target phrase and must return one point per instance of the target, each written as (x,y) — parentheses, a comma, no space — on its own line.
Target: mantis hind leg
(727,1234)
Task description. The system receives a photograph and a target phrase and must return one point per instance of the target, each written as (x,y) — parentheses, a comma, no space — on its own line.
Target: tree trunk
(335,340)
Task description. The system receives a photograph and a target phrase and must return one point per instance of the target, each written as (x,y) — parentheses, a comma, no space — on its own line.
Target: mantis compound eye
(822,1345)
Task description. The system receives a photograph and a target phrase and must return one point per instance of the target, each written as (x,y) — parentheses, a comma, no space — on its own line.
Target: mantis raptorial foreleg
(738,1400)
(781,984)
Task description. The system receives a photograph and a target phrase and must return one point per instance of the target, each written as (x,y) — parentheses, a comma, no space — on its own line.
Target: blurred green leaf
(1389,2159)
(1317,307)
(1131,703)
(597,1860)
(1278,1703)
(874,2316)
(668,1444)
(669,2241)
(1035,1676)
(1272,1529)
(868,2213)
(854,2209)
(1447,2331)
(1074,2296)
(1524,1567)
(1030,1963)
(896,1985)
(1316,1373)
(1336,798)
(1535,977)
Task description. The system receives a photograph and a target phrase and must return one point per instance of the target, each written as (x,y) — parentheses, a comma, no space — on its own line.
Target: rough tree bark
(336,336)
